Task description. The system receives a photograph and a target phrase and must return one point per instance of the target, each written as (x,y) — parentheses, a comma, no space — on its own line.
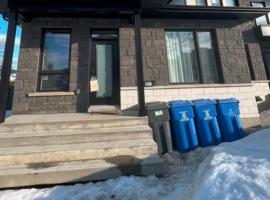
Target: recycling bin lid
(203,102)
(230,100)
(180,103)
(157,106)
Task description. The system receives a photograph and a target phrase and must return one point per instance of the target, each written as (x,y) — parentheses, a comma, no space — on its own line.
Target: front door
(266,59)
(105,69)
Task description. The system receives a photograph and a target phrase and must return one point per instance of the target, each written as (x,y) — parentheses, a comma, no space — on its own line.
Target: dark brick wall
(233,56)
(230,43)
(254,48)
(29,63)
(154,55)
(127,57)
(233,65)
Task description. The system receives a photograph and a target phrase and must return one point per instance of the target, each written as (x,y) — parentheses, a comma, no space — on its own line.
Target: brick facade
(245,92)
(231,56)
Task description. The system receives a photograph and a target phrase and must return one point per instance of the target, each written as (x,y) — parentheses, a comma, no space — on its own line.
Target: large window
(178,2)
(226,3)
(263,20)
(229,3)
(191,57)
(54,70)
(201,2)
(216,2)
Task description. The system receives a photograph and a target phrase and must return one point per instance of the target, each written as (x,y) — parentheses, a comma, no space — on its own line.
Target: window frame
(264,6)
(221,4)
(170,3)
(197,54)
(42,72)
(205,1)
(206,4)
(235,1)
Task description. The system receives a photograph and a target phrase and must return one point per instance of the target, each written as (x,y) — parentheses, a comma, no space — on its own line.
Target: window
(263,20)
(216,3)
(200,2)
(54,70)
(178,2)
(229,3)
(191,57)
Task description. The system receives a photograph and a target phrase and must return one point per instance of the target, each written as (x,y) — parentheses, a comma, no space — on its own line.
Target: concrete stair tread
(128,129)
(79,171)
(81,164)
(65,118)
(95,123)
(78,147)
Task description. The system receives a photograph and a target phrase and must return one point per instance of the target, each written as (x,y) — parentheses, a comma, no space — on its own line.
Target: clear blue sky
(3,32)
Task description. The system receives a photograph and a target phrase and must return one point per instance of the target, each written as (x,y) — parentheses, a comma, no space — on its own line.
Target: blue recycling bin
(206,122)
(183,129)
(229,119)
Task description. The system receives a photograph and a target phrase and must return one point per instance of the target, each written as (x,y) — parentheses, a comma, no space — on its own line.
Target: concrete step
(43,138)
(16,124)
(73,152)
(80,171)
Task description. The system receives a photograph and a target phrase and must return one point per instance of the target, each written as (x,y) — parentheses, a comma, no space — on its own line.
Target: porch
(70,148)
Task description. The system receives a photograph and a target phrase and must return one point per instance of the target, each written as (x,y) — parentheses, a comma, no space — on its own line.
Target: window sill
(50,94)
(188,86)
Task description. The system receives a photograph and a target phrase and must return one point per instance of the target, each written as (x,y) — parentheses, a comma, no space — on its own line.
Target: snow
(231,171)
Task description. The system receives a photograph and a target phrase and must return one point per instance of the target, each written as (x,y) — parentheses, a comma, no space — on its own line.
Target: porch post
(7,63)
(139,66)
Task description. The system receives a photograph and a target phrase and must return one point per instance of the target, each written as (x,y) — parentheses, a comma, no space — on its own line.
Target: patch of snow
(231,171)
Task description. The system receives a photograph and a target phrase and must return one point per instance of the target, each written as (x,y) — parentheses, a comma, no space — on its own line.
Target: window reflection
(53,75)
(186,62)
(56,51)
(178,2)
(263,19)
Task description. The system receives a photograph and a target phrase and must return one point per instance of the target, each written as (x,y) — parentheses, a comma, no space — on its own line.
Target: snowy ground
(239,170)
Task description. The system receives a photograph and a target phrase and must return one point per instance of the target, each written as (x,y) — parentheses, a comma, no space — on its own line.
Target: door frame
(106,35)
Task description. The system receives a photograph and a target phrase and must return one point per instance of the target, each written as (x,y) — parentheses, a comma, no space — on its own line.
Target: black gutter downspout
(7,62)
(139,66)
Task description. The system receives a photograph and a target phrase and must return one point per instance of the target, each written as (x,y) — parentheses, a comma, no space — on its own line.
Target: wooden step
(72,152)
(43,138)
(79,171)
(92,122)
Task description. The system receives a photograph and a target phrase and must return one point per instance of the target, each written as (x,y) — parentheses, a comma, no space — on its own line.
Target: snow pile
(238,170)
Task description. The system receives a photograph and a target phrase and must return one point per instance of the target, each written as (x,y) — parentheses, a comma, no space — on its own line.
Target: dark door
(105,68)
(266,59)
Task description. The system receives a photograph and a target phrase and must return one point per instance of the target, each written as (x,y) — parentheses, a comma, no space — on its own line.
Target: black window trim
(53,72)
(216,54)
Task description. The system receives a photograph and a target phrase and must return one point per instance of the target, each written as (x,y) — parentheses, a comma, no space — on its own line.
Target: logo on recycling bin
(231,111)
(207,115)
(184,116)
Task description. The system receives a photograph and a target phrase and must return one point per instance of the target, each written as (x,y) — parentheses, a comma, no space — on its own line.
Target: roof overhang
(126,8)
(199,12)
